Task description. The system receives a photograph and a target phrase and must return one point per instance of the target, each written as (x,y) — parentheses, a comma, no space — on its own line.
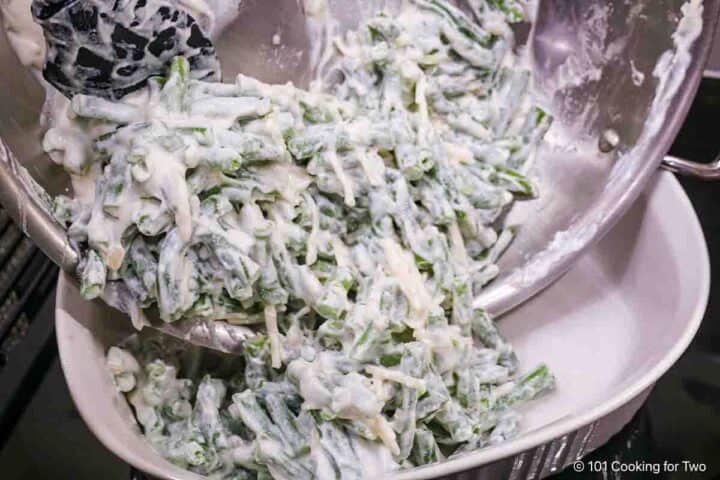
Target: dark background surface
(680,421)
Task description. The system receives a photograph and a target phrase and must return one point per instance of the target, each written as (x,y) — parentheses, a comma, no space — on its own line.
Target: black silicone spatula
(109,48)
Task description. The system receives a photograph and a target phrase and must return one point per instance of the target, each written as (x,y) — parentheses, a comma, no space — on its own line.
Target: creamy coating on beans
(350,227)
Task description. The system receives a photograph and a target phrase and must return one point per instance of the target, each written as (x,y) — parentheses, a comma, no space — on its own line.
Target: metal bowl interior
(608,329)
(593,64)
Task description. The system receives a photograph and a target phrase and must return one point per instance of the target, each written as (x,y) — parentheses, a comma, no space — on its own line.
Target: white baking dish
(609,329)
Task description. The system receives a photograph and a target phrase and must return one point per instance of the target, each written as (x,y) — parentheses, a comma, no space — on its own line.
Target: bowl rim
(526,441)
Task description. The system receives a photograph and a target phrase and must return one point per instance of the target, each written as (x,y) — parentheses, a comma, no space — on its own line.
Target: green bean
(337,444)
(93,276)
(174,91)
(425,448)
(512,10)
(101,109)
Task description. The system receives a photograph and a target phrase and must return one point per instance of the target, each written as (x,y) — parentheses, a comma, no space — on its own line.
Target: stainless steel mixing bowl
(593,62)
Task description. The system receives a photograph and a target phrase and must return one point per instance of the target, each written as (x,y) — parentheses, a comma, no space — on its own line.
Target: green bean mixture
(350,227)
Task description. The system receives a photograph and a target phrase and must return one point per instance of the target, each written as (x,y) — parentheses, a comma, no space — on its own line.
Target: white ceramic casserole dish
(609,329)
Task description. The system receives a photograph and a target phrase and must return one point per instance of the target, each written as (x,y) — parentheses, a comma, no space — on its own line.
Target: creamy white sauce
(360,213)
